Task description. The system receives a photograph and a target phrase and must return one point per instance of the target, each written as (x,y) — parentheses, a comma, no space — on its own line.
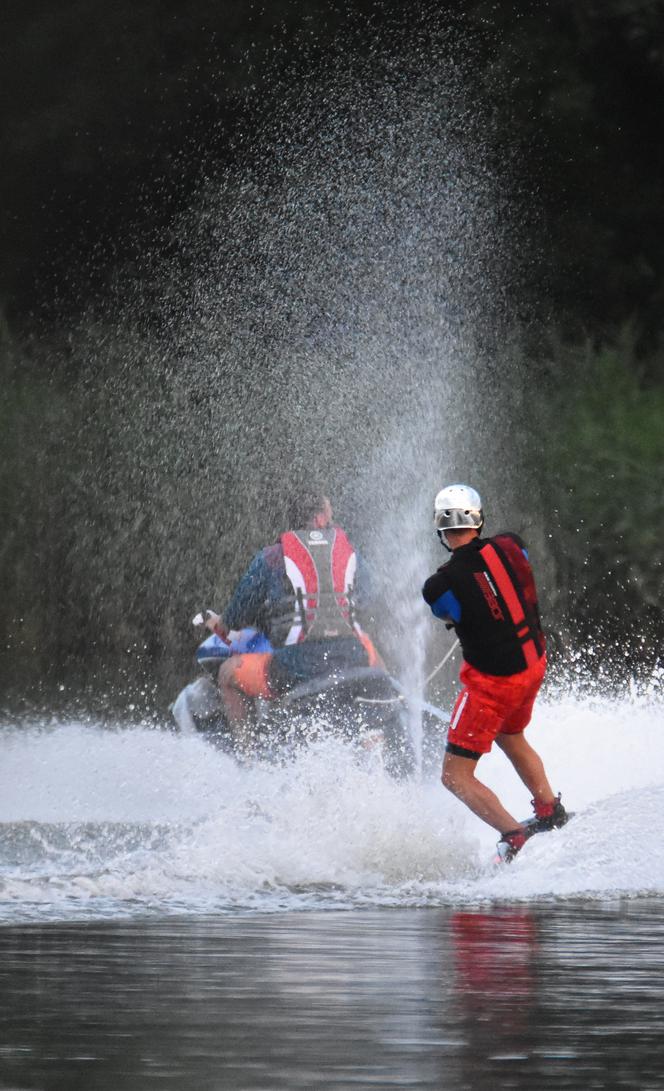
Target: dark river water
(550,995)
(170,920)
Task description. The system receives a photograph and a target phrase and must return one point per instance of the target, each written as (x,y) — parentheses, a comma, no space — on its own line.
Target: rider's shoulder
(272,555)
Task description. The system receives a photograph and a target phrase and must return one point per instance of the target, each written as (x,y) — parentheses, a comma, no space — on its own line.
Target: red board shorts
(491,705)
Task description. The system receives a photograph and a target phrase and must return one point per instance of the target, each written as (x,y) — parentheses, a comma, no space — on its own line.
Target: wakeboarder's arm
(441,598)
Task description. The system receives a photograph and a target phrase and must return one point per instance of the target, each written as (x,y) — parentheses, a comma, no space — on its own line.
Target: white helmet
(457,507)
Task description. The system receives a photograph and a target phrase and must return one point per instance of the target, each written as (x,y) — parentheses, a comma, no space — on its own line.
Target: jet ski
(364,706)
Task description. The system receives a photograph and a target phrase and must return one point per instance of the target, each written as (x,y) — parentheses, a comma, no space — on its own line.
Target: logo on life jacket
(490,596)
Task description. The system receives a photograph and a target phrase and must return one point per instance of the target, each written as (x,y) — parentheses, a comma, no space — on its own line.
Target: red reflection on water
(494,956)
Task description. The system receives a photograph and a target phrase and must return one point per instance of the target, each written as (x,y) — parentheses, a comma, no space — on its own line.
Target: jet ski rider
(487,593)
(302,593)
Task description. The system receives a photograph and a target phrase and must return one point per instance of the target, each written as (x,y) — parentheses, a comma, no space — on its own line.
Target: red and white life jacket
(321,566)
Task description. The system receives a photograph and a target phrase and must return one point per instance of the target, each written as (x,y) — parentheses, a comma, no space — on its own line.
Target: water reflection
(518,998)
(494,955)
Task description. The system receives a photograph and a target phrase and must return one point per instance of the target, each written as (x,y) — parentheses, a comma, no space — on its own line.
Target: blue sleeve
(447,606)
(247,605)
(438,594)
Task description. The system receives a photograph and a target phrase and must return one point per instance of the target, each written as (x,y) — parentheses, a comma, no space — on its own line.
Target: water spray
(420,704)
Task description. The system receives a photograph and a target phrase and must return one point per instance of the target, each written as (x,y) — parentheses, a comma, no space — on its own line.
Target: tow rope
(402,696)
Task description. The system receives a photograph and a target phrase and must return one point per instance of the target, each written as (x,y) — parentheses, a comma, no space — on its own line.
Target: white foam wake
(100,822)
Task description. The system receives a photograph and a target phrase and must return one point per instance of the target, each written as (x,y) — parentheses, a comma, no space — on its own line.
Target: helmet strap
(441,538)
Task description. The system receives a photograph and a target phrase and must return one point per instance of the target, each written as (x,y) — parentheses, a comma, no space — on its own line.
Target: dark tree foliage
(599,472)
(589,95)
(113,113)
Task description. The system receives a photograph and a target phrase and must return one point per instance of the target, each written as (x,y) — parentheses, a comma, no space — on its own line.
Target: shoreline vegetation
(106,545)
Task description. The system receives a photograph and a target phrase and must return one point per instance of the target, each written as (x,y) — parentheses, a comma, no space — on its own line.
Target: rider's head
(457,515)
(310,508)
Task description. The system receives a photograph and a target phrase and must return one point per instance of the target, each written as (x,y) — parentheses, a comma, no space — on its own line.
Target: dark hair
(303,505)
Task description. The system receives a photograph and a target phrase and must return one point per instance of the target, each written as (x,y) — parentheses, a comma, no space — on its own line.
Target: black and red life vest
(507,564)
(320,566)
(487,591)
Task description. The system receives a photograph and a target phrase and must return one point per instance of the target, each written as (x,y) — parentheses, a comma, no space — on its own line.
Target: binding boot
(549,816)
(511,843)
